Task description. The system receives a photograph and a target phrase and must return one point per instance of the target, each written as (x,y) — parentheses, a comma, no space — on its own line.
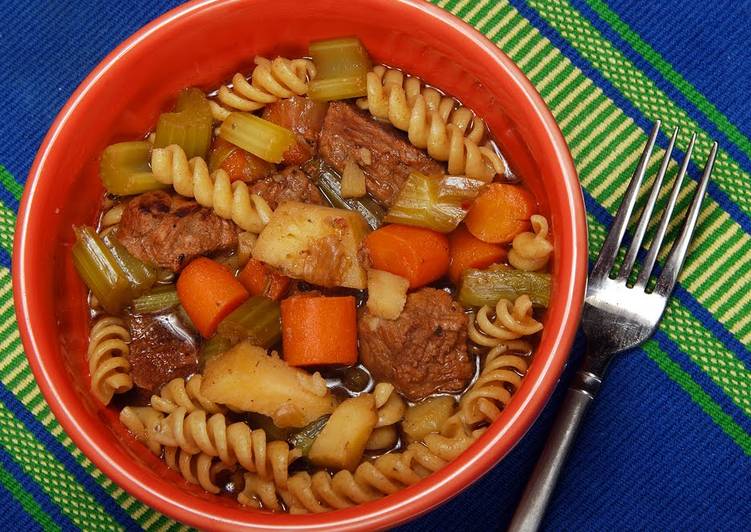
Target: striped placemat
(668,443)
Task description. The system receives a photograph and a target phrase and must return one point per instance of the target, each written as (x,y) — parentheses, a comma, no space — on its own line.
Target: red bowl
(201,44)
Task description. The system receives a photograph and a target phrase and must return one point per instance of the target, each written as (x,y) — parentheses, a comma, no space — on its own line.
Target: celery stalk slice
(325,90)
(258,320)
(125,169)
(486,287)
(258,136)
(159,299)
(140,275)
(190,126)
(99,270)
(419,203)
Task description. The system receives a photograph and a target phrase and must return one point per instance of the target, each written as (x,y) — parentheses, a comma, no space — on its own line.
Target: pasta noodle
(391,408)
(144,423)
(231,201)
(432,121)
(372,480)
(112,216)
(107,355)
(235,443)
(185,393)
(511,322)
(269,82)
(530,251)
(200,469)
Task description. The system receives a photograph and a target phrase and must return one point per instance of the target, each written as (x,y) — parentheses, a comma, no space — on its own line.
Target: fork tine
(609,250)
(641,229)
(674,263)
(654,250)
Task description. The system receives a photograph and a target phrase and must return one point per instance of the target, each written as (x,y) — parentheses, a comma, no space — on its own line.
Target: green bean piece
(190,126)
(100,271)
(257,320)
(486,287)
(303,439)
(329,183)
(140,276)
(432,202)
(216,345)
(160,298)
(125,169)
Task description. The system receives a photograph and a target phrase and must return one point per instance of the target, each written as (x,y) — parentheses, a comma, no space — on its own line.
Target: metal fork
(616,316)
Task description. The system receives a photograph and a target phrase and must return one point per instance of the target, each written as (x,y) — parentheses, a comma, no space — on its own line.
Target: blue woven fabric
(648,457)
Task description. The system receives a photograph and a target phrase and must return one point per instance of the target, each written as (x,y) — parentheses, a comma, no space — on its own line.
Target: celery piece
(329,183)
(326,90)
(125,169)
(486,287)
(303,439)
(160,298)
(216,345)
(99,270)
(458,188)
(339,58)
(419,204)
(140,276)
(256,135)
(257,320)
(190,126)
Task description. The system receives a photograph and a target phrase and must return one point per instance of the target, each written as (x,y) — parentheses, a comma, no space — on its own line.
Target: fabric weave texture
(667,445)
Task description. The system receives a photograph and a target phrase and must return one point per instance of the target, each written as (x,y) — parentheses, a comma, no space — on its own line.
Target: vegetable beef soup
(315,285)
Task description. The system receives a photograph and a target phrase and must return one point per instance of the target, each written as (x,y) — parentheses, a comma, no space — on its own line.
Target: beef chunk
(159,351)
(304,117)
(292,184)
(423,351)
(169,231)
(382,152)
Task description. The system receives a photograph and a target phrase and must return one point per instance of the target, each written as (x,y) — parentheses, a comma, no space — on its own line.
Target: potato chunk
(342,441)
(313,243)
(387,294)
(245,378)
(427,416)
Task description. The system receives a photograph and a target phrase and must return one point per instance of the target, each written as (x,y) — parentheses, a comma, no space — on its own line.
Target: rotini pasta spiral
(372,480)
(112,216)
(186,393)
(391,408)
(232,443)
(200,469)
(500,377)
(231,201)
(433,121)
(107,355)
(530,251)
(144,423)
(269,82)
(511,322)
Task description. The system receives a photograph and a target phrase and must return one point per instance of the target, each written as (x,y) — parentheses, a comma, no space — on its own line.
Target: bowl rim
(490,450)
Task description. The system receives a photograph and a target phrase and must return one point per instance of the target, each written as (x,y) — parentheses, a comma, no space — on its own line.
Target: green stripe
(26,500)
(699,396)
(9,182)
(673,76)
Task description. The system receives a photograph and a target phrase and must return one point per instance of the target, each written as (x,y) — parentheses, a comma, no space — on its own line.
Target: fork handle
(542,483)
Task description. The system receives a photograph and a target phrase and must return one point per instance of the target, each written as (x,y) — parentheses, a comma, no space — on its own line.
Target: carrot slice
(469,252)
(419,255)
(500,213)
(319,330)
(209,292)
(261,280)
